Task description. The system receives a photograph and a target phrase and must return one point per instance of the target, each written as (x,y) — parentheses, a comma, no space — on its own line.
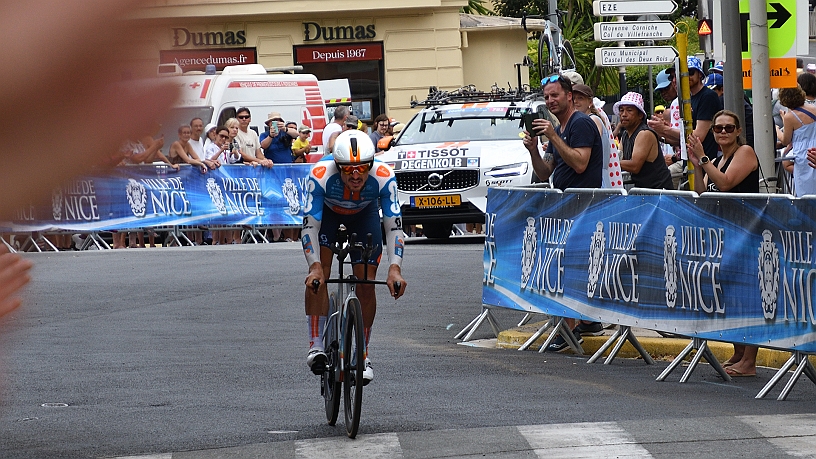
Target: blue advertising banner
(726,267)
(150,196)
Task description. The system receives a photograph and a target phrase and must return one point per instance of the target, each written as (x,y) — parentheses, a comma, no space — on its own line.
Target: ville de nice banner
(133,197)
(727,267)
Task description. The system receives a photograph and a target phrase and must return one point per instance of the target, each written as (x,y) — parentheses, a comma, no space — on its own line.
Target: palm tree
(477,7)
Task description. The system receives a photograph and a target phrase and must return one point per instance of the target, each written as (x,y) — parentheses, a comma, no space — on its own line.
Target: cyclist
(349,187)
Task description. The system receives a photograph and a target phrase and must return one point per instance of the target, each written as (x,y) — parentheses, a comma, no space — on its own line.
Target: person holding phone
(276,142)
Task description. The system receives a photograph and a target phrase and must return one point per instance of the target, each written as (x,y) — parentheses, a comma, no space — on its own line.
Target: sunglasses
(359,168)
(729,128)
(223,136)
(244,117)
(553,78)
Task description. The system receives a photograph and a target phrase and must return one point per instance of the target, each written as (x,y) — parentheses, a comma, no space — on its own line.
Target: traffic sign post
(632,7)
(638,55)
(634,30)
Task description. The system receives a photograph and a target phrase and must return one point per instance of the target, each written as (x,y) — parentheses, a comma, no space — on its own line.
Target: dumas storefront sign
(338,53)
(198,59)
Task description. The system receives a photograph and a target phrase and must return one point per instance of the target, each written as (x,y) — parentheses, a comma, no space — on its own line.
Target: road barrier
(739,268)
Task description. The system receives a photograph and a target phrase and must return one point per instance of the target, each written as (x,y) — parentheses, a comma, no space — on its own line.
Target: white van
(215,98)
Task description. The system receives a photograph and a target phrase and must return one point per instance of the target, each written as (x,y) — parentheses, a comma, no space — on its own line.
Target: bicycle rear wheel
(353,346)
(330,379)
(545,60)
(568,57)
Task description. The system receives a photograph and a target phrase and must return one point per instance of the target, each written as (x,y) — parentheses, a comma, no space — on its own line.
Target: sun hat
(572,76)
(304,129)
(583,89)
(398,128)
(274,116)
(696,64)
(630,98)
(663,80)
(714,80)
(209,128)
(718,68)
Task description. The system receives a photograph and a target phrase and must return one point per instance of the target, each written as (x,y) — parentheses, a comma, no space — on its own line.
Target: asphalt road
(149,351)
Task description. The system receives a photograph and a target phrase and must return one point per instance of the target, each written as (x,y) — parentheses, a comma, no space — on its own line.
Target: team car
(460,144)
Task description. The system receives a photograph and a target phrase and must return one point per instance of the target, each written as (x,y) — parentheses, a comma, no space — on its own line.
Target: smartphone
(528,121)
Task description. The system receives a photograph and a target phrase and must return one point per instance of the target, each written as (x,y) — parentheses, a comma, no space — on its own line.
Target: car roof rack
(469,94)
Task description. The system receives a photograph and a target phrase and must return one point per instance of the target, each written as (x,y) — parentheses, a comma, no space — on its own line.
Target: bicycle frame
(556,46)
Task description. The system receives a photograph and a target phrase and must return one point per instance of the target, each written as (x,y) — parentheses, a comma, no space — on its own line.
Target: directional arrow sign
(631,31)
(632,7)
(781,28)
(637,55)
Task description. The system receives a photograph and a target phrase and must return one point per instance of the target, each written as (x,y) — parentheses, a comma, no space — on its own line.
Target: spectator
(807,81)
(799,132)
(397,128)
(181,152)
(334,128)
(196,141)
(574,156)
(669,130)
(391,124)
(276,142)
(219,149)
(583,98)
(301,146)
(249,141)
(715,83)
(209,135)
(645,164)
(381,127)
(704,104)
(736,171)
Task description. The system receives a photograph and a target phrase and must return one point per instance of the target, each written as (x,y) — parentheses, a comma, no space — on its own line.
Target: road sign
(783,72)
(632,7)
(782,28)
(704,27)
(637,55)
(635,30)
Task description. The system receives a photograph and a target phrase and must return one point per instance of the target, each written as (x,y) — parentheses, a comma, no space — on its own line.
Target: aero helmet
(353,147)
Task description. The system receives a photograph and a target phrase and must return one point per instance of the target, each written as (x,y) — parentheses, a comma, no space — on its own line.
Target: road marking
(585,439)
(149,456)
(792,433)
(367,446)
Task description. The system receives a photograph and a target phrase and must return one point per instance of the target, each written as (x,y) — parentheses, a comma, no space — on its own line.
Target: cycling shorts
(364,222)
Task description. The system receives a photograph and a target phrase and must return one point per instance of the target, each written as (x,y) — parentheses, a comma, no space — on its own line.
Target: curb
(659,348)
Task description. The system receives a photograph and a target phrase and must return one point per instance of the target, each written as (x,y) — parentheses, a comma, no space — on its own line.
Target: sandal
(734,373)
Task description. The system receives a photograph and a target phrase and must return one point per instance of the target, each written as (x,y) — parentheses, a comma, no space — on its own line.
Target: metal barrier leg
(549,324)
(474,325)
(562,329)
(525,319)
(703,352)
(10,248)
(803,365)
(622,335)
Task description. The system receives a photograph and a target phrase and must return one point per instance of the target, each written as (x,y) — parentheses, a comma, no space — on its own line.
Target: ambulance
(215,98)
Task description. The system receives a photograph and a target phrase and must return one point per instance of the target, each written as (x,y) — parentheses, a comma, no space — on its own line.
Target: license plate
(449,200)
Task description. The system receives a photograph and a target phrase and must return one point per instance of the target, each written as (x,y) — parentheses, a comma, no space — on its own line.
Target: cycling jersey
(326,192)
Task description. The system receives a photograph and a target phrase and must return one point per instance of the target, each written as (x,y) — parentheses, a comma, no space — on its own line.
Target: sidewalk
(657,346)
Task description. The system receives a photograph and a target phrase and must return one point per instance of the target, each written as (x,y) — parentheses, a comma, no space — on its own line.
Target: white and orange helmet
(353,147)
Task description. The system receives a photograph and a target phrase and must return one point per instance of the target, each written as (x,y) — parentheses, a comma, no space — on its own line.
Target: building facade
(390,51)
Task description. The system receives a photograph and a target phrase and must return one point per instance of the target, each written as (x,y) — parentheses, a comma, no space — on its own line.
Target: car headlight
(508,170)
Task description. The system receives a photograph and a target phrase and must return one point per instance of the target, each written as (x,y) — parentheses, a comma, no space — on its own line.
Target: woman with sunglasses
(736,171)
(218,149)
(799,133)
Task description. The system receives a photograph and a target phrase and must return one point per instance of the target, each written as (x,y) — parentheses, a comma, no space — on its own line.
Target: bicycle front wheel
(545,61)
(568,57)
(353,346)
(330,379)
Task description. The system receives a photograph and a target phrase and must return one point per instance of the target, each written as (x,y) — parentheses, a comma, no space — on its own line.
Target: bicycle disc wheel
(568,57)
(330,378)
(353,346)
(545,61)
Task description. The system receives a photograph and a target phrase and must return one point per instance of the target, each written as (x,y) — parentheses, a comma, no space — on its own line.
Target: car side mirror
(385,143)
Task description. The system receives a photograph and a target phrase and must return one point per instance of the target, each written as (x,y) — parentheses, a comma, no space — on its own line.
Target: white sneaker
(316,361)
(368,372)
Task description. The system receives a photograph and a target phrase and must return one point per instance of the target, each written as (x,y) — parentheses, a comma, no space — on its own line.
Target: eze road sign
(632,7)
(638,55)
(635,30)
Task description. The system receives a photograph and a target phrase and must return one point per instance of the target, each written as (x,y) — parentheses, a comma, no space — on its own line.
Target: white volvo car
(453,150)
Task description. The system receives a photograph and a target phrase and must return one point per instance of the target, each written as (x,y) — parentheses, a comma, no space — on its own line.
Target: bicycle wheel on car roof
(567,57)
(353,347)
(545,61)
(330,380)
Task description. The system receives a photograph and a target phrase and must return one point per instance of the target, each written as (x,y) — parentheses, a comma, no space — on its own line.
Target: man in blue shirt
(276,143)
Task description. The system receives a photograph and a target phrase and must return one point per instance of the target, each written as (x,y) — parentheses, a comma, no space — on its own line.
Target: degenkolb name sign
(725,267)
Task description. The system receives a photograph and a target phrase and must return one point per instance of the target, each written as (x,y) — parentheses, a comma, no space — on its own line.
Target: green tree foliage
(477,7)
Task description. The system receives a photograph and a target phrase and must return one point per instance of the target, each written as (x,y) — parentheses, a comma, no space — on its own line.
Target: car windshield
(453,128)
